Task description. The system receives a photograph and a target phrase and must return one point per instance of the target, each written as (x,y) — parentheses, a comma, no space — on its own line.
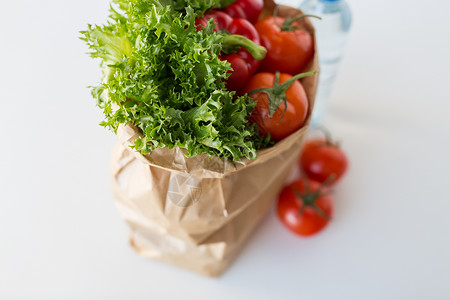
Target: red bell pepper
(246,9)
(241,48)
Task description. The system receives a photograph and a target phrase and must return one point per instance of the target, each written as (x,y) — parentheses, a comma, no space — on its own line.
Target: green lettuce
(164,77)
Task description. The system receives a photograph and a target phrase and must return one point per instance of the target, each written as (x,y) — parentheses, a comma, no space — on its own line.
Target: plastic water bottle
(331,33)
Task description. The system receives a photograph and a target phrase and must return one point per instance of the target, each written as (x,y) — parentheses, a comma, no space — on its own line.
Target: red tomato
(279,126)
(304,208)
(322,159)
(288,51)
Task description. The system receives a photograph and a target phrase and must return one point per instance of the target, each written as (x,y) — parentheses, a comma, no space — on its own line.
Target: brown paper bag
(197,212)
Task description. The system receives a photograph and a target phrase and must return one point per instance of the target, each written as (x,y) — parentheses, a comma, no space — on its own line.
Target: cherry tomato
(289,49)
(304,208)
(322,159)
(285,120)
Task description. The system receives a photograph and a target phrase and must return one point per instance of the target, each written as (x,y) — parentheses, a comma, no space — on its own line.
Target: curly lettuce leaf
(165,77)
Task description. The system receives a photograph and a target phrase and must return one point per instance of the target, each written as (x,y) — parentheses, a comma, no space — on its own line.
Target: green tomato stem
(328,139)
(287,24)
(309,198)
(285,85)
(277,93)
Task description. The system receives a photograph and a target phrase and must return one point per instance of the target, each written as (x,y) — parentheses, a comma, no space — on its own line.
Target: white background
(61,237)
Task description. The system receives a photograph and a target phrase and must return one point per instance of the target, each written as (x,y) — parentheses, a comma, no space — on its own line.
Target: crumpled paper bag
(196,213)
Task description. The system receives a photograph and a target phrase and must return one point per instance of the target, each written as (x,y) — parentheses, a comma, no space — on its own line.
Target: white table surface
(61,237)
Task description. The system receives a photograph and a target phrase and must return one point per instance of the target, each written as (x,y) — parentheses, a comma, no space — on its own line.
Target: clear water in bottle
(331,33)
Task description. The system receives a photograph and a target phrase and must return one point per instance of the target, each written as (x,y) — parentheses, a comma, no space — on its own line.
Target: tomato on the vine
(282,104)
(289,49)
(322,159)
(304,207)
